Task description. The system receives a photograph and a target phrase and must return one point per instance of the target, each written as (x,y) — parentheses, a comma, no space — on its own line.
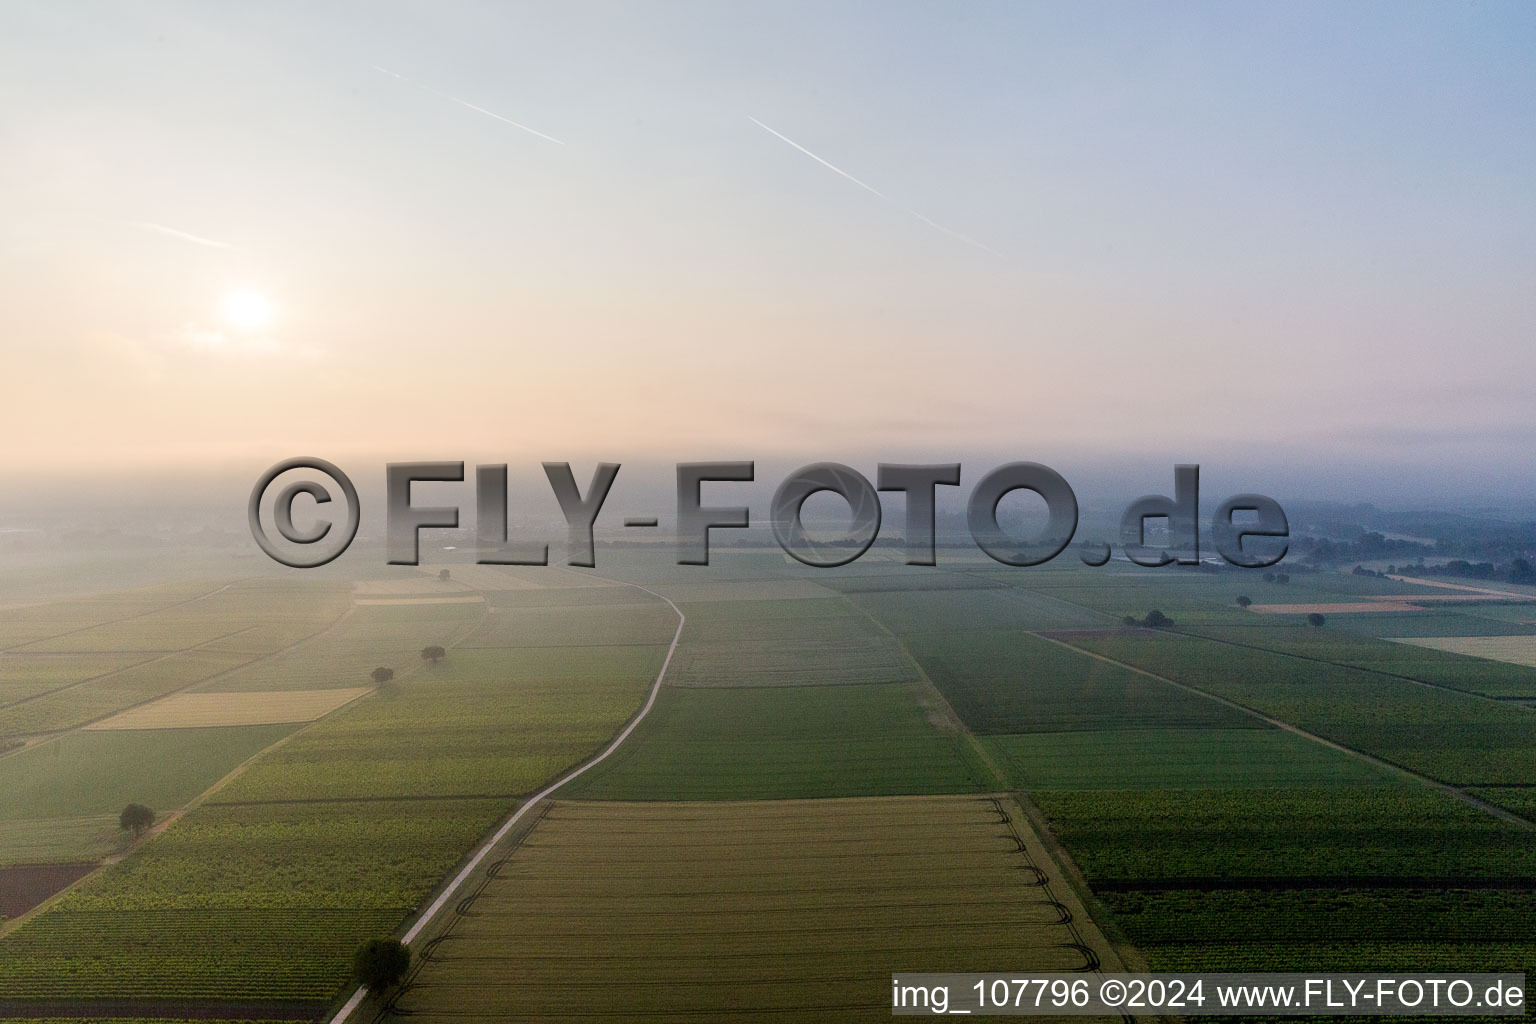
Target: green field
(100,697)
(1432,623)
(1445,734)
(1174,758)
(784,642)
(23,676)
(1002,682)
(86,773)
(1330,929)
(370,637)
(42,622)
(465,726)
(1344,832)
(783,742)
(1439,667)
(997,608)
(1520,799)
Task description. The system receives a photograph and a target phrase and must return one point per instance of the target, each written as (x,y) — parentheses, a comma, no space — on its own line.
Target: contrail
(185,236)
(952,233)
(867,188)
(465,103)
(967,239)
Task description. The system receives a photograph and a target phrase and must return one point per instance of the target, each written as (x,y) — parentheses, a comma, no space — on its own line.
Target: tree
(1269,577)
(443,574)
(380,963)
(1243,600)
(1156,620)
(1130,620)
(382,675)
(1315,619)
(434,654)
(135,818)
(1282,577)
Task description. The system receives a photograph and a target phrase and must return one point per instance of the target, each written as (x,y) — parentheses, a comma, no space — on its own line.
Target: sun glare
(247,311)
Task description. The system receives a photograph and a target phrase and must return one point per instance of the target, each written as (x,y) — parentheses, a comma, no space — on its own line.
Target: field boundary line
(1185,631)
(1420,581)
(1445,787)
(204,798)
(1500,701)
(113,622)
(1038,842)
(43,737)
(155,658)
(11,924)
(437,905)
(931,690)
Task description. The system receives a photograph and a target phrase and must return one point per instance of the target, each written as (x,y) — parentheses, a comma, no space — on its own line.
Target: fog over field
(1293,243)
(417,733)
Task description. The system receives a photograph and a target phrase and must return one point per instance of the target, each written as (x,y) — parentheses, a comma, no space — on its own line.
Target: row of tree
(1313,618)
(434,654)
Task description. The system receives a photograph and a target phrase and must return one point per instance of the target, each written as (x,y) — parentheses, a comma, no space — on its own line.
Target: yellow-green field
(1513,650)
(199,710)
(781,910)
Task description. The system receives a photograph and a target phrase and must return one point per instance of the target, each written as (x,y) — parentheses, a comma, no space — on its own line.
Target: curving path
(447,894)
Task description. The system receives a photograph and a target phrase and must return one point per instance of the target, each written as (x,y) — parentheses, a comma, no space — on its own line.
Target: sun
(246,310)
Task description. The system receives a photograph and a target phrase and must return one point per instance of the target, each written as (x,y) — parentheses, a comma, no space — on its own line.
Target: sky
(1296,241)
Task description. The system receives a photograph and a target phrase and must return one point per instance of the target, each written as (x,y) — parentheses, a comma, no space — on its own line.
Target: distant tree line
(1334,534)
(1518,570)
(1370,545)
